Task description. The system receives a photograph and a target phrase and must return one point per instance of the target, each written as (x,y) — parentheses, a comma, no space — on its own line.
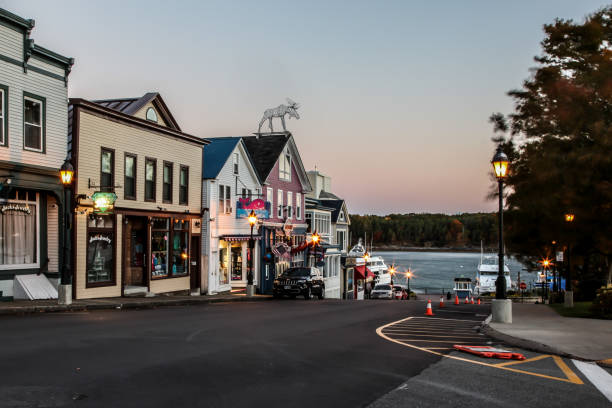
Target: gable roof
(325,195)
(336,205)
(265,151)
(130,106)
(216,154)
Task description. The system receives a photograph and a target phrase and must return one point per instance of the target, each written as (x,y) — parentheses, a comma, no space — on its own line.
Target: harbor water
(436,271)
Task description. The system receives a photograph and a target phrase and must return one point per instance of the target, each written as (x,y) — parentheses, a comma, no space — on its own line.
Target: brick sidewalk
(19,307)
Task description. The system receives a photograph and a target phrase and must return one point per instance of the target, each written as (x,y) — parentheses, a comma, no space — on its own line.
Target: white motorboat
(376,264)
(486,275)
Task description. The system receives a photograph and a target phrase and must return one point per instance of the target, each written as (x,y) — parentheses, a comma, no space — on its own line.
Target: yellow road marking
(440,341)
(429,335)
(566,370)
(523,361)
(571,379)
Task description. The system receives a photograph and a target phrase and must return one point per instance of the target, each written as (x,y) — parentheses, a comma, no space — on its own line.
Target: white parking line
(597,376)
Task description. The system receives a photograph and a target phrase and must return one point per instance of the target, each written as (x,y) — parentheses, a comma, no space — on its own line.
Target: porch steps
(136,291)
(33,287)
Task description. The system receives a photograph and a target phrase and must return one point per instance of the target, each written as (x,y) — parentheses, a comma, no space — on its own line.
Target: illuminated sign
(244,206)
(103,202)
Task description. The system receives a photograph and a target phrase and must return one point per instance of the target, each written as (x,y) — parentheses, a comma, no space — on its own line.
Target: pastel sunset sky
(395,95)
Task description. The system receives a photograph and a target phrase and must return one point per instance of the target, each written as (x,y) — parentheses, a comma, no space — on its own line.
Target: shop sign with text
(244,206)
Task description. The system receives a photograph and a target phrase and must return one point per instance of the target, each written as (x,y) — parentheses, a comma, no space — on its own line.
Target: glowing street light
(252,222)
(65,288)
(408,276)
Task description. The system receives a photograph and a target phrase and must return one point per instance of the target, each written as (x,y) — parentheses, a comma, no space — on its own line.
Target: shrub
(602,305)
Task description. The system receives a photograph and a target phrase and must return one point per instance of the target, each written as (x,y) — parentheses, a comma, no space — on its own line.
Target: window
(3,115)
(184,185)
(180,248)
(160,235)
(341,216)
(167,183)
(19,237)
(247,193)
(236,251)
(279,203)
(221,199)
(289,204)
(33,122)
(150,176)
(151,115)
(284,166)
(228,200)
(236,163)
(107,170)
(100,266)
(298,206)
(322,223)
(271,199)
(129,175)
(340,239)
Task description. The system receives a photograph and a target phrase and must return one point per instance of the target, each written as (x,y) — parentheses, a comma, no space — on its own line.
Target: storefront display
(100,250)
(180,250)
(223,263)
(18,229)
(237,261)
(159,247)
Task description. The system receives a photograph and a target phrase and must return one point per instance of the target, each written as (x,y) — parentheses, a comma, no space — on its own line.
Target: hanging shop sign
(281,250)
(15,207)
(104,202)
(244,206)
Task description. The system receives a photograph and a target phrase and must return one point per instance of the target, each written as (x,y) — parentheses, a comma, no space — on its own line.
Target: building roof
(130,106)
(216,155)
(265,150)
(335,204)
(324,195)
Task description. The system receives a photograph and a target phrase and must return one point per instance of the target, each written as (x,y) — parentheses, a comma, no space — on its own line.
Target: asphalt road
(276,353)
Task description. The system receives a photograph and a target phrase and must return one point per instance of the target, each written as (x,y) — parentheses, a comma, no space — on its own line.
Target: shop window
(129,190)
(167,183)
(107,170)
(180,248)
(183,185)
(100,250)
(150,176)
(223,263)
(298,206)
(236,261)
(19,240)
(33,122)
(160,234)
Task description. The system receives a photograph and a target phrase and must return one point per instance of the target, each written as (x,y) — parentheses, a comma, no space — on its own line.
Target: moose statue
(279,112)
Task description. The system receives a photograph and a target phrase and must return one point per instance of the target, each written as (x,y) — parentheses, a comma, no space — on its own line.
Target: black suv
(304,281)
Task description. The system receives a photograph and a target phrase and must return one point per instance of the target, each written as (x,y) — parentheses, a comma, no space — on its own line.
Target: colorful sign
(103,202)
(244,206)
(281,250)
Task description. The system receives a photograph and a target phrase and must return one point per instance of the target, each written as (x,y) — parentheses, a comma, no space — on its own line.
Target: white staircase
(33,287)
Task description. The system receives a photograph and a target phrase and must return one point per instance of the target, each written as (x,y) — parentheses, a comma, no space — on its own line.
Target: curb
(23,310)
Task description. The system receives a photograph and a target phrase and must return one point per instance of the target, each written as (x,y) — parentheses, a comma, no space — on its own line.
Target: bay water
(435,271)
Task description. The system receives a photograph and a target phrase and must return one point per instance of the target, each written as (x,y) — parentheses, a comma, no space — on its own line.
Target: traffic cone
(472,302)
(467,302)
(456,299)
(478,300)
(441,301)
(429,312)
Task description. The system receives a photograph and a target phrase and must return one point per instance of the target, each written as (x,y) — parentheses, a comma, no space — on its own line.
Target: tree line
(465,230)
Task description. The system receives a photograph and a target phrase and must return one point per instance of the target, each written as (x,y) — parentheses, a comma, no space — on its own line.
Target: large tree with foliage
(560,146)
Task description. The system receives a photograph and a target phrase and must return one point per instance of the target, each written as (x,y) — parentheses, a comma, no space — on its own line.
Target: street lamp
(408,275)
(392,272)
(569,294)
(546,263)
(65,288)
(250,288)
(366,257)
(502,309)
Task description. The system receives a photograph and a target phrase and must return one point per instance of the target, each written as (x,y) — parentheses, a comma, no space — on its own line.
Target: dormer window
(151,115)
(341,216)
(284,166)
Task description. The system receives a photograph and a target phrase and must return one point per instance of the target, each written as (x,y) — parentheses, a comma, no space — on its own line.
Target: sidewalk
(19,307)
(540,328)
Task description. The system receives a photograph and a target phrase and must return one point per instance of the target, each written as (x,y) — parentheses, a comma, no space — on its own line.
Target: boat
(376,264)
(486,274)
(463,288)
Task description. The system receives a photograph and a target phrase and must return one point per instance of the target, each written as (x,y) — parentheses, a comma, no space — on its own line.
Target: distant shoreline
(426,249)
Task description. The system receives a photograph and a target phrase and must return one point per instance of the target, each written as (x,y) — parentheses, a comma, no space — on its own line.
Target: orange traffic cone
(441,301)
(429,312)
(472,302)
(467,302)
(456,299)
(478,300)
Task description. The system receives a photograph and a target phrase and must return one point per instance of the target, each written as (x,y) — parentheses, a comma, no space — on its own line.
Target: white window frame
(3,117)
(221,199)
(228,200)
(284,173)
(279,203)
(42,124)
(37,215)
(271,198)
(289,204)
(298,206)
(235,161)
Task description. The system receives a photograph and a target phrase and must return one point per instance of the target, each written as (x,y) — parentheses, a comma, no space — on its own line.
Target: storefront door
(194,262)
(135,240)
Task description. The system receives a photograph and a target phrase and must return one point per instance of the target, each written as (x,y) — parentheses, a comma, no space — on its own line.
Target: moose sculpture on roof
(279,112)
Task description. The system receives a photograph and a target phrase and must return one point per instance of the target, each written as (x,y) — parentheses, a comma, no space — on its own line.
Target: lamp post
(64,296)
(366,257)
(569,294)
(501,306)
(408,275)
(250,290)
(555,285)
(546,265)
(392,272)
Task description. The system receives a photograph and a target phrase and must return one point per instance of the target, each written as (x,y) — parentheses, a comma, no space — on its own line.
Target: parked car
(302,281)
(400,292)
(382,291)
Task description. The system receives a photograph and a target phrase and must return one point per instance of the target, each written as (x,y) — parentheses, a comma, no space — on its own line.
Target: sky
(395,95)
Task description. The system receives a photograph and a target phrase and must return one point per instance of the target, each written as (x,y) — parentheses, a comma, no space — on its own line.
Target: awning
(359,272)
(239,237)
